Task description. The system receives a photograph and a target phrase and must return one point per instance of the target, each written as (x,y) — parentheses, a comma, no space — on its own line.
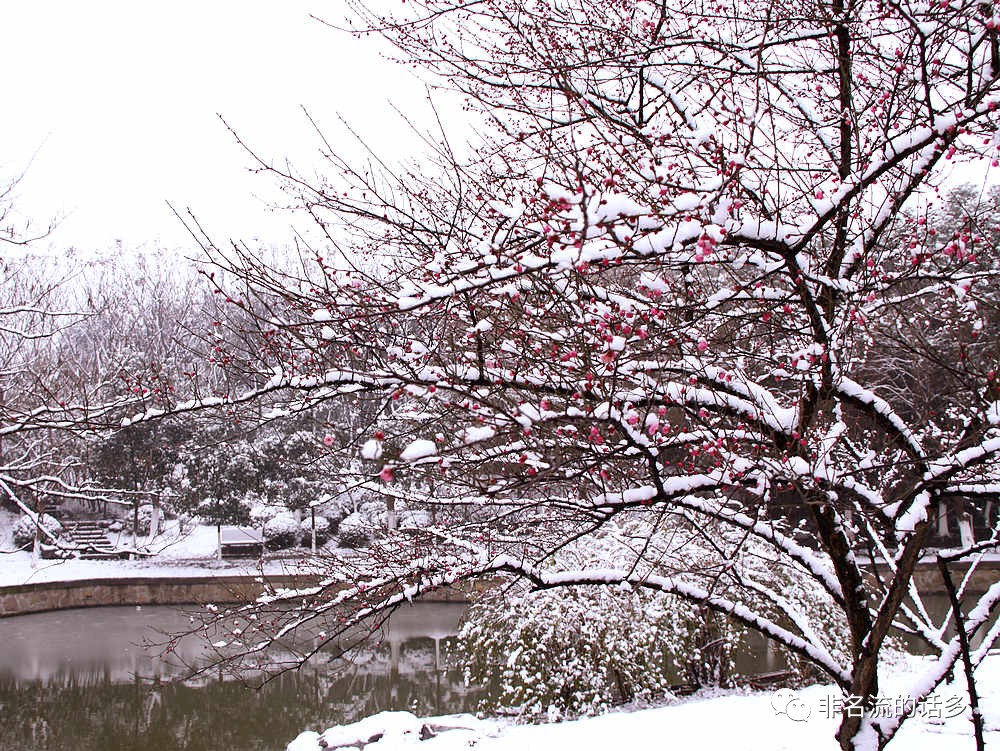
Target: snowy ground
(178,554)
(756,721)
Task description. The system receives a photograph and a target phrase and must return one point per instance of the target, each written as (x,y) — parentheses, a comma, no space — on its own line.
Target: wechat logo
(787,702)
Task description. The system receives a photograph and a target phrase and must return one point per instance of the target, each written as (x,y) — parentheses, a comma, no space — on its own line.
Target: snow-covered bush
(227,510)
(571,651)
(335,509)
(262,512)
(323,528)
(578,651)
(281,531)
(376,515)
(413,519)
(23,530)
(372,519)
(801,595)
(355,531)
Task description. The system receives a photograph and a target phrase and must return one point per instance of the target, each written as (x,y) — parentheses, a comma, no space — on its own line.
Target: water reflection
(77,679)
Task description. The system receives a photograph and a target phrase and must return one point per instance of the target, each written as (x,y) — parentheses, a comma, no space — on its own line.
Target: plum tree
(679,279)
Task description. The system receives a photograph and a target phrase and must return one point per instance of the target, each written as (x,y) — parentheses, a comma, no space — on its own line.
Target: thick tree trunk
(963,640)
(865,667)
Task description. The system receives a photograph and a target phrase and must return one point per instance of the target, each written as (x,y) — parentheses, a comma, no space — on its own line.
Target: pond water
(81,679)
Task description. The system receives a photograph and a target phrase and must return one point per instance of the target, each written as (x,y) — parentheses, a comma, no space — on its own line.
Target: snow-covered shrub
(323,528)
(23,530)
(262,512)
(335,509)
(577,651)
(282,531)
(746,571)
(354,531)
(228,510)
(376,515)
(372,519)
(413,519)
(803,595)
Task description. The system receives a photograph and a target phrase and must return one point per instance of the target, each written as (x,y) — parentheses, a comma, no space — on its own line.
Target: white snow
(477,433)
(179,554)
(617,343)
(993,413)
(371,450)
(713,721)
(418,449)
(634,495)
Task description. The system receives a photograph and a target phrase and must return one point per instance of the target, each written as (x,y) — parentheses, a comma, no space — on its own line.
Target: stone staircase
(90,538)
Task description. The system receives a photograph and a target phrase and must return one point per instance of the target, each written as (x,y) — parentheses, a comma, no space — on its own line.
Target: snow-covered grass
(720,721)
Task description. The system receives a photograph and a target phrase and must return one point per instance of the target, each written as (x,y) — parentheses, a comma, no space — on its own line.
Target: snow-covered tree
(683,275)
(82,344)
(42,396)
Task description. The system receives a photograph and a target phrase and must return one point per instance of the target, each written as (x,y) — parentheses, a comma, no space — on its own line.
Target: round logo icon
(787,702)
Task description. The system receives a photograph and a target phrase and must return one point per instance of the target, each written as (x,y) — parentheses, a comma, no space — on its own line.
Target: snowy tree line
(86,345)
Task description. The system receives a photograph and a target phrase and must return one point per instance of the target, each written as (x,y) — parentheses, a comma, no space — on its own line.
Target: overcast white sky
(115,105)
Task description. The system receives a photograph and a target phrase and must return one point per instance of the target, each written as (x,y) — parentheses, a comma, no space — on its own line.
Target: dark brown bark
(963,641)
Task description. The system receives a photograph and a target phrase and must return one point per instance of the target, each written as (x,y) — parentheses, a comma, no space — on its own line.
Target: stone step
(91,535)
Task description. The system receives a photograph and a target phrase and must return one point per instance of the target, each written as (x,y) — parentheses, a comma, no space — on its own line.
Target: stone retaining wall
(927,577)
(35,598)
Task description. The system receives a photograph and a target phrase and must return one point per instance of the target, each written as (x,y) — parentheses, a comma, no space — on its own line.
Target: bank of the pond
(927,577)
(167,590)
(76,583)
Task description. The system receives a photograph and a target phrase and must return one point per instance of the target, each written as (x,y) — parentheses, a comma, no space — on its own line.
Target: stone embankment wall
(927,577)
(35,598)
